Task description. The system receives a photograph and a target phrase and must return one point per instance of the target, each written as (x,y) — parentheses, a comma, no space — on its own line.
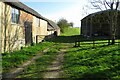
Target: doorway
(28,33)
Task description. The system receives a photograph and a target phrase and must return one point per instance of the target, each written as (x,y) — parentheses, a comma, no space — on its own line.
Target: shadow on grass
(97,69)
(106,74)
(64,39)
(96,47)
(72,39)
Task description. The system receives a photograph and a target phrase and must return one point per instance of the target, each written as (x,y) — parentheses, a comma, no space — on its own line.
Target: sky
(71,10)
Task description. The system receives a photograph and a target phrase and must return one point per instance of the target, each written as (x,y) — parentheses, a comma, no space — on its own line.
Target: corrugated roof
(92,14)
(99,12)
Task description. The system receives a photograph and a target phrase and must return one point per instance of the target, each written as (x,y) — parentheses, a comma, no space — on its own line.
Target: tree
(71,24)
(112,17)
(63,24)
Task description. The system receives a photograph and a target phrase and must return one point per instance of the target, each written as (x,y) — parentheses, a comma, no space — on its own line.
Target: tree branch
(117,4)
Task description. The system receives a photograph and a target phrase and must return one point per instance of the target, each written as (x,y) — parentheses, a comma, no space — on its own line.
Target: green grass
(36,69)
(87,62)
(69,36)
(71,31)
(100,62)
(103,61)
(12,60)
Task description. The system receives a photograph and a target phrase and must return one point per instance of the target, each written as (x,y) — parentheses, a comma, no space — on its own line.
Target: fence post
(108,41)
(93,43)
(77,42)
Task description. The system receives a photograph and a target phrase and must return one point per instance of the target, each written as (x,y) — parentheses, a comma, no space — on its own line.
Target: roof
(27,9)
(23,7)
(51,23)
(49,28)
(97,13)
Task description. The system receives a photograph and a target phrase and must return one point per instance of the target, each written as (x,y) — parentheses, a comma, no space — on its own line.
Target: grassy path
(16,71)
(66,61)
(55,69)
(49,65)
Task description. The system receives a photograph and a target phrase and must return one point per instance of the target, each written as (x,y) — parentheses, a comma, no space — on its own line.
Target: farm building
(98,24)
(55,31)
(52,28)
(21,26)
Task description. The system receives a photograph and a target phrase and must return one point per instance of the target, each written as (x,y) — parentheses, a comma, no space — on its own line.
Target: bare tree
(111,5)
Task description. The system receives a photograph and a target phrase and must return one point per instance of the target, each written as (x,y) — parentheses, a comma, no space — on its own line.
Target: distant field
(71,31)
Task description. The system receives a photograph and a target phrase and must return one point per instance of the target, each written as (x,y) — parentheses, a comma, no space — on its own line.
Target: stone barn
(21,26)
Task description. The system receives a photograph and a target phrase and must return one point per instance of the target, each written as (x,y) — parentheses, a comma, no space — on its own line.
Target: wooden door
(28,33)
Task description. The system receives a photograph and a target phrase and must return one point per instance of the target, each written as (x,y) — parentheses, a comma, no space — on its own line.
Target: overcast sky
(55,10)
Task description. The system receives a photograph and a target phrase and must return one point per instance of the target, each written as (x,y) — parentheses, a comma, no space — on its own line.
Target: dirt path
(14,72)
(54,70)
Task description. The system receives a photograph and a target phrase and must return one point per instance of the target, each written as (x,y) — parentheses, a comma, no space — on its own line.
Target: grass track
(101,62)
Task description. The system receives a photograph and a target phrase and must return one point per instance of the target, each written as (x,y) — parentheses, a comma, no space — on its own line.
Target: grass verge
(12,60)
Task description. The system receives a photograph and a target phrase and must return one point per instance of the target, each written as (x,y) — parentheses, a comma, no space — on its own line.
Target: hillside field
(71,31)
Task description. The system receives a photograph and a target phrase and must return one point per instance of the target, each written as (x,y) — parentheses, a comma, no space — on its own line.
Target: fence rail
(93,40)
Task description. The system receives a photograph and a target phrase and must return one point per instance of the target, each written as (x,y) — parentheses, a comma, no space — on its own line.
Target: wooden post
(93,43)
(36,39)
(108,41)
(118,44)
(77,44)
(91,26)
